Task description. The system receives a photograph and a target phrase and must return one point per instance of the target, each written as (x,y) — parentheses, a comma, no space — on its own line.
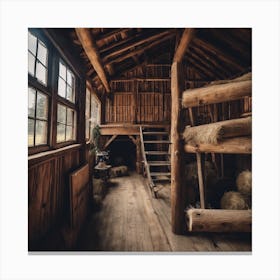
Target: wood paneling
(48,193)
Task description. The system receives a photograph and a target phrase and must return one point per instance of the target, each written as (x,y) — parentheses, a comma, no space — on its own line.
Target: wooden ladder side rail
(152,185)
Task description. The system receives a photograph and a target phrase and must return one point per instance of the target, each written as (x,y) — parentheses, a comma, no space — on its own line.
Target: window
(65,124)
(37,59)
(37,117)
(66,82)
(92,112)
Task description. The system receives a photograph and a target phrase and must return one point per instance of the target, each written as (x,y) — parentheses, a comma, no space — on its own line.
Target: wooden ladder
(155,146)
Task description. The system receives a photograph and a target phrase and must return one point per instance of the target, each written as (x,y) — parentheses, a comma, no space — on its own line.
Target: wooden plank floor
(131,220)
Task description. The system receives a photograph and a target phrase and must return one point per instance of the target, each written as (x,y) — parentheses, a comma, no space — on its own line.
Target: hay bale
(203,134)
(214,132)
(244,182)
(233,201)
(119,171)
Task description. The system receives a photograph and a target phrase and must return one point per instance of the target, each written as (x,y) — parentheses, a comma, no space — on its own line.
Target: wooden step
(161,179)
(160,173)
(154,153)
(157,142)
(159,163)
(156,133)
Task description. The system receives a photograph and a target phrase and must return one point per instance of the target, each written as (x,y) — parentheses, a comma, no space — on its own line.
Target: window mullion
(35,115)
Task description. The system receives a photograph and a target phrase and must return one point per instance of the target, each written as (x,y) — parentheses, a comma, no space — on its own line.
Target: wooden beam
(110,141)
(129,130)
(218,53)
(238,145)
(132,139)
(219,220)
(91,50)
(109,36)
(183,45)
(134,41)
(139,50)
(211,94)
(177,188)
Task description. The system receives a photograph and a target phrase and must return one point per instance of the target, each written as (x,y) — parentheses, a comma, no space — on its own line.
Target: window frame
(94,96)
(34,83)
(55,55)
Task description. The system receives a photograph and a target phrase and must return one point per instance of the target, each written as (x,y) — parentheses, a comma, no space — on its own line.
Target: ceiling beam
(218,53)
(183,44)
(141,50)
(91,50)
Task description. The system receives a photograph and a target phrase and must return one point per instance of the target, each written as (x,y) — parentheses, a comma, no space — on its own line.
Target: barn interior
(139,139)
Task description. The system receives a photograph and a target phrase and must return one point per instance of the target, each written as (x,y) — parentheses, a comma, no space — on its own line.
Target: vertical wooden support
(177,189)
(200,180)
(138,155)
(199,169)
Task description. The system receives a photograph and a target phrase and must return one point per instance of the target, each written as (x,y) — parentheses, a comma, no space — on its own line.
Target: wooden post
(177,197)
(138,155)
(200,181)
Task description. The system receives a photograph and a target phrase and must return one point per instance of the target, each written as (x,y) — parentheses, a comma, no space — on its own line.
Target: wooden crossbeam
(141,50)
(129,43)
(183,45)
(110,141)
(217,52)
(237,145)
(91,50)
(216,93)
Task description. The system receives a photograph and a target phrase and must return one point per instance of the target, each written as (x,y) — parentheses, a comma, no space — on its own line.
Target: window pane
(61,113)
(42,53)
(60,132)
(31,102)
(42,106)
(61,87)
(70,116)
(69,133)
(41,132)
(70,94)
(32,41)
(30,132)
(31,63)
(70,78)
(62,70)
(41,73)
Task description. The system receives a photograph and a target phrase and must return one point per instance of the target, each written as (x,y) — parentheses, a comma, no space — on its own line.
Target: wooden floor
(131,220)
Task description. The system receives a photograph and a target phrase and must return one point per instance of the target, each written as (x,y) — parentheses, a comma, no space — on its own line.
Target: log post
(177,190)
(200,181)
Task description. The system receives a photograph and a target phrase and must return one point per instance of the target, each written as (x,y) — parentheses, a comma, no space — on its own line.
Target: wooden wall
(48,190)
(141,97)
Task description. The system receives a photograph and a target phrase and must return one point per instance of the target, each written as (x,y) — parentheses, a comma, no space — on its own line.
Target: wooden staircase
(155,145)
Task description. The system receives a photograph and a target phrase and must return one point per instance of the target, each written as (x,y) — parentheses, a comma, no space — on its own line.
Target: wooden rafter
(109,36)
(183,44)
(218,53)
(141,50)
(91,50)
(124,45)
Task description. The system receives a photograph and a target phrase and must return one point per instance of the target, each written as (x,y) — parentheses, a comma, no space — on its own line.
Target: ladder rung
(157,142)
(161,179)
(159,163)
(156,153)
(156,133)
(160,173)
